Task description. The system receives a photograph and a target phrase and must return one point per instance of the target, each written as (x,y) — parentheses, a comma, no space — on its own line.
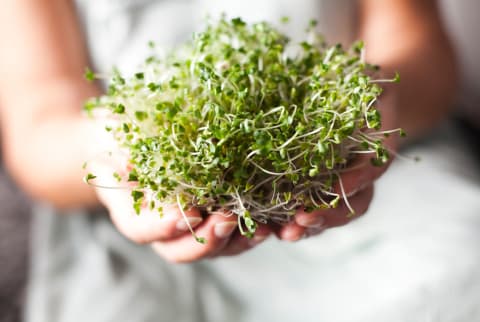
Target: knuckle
(182,258)
(134,234)
(137,238)
(177,259)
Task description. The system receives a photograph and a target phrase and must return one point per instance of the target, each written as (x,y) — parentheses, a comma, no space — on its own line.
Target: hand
(355,183)
(358,185)
(170,235)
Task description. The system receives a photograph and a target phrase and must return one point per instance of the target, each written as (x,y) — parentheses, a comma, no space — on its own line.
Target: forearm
(411,40)
(44,151)
(42,90)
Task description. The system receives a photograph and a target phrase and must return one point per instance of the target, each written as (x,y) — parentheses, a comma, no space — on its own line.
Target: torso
(118,30)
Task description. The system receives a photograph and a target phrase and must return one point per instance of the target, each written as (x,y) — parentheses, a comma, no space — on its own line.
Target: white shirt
(118,30)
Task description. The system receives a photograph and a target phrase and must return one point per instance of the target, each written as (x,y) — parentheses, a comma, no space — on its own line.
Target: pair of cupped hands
(170,236)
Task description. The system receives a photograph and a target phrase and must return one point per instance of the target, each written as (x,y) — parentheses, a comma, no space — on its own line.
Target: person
(81,262)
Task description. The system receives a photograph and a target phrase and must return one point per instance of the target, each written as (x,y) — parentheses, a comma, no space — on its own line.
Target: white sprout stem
(311,133)
(385,132)
(361,152)
(172,142)
(251,154)
(374,81)
(186,185)
(290,140)
(185,218)
(344,195)
(274,173)
(274,207)
(274,110)
(320,198)
(104,186)
(313,199)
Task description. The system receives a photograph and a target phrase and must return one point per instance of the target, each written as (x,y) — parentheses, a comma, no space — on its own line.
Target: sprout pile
(241,121)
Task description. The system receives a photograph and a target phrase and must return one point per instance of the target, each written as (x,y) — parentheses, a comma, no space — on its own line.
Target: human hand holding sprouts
(355,187)
(171,234)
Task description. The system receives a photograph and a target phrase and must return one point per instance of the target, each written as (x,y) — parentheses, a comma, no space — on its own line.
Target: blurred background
(463,23)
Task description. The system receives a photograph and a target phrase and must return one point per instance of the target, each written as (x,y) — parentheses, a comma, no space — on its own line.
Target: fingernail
(192,221)
(257,239)
(291,236)
(313,221)
(225,229)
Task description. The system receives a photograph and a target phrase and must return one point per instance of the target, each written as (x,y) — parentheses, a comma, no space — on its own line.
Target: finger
(216,230)
(357,176)
(340,215)
(361,172)
(291,232)
(238,244)
(312,220)
(148,226)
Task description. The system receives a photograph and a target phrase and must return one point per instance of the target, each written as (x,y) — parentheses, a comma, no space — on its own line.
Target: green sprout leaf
(117,176)
(89,75)
(200,240)
(396,79)
(119,109)
(89,177)
(137,195)
(141,115)
(238,22)
(334,202)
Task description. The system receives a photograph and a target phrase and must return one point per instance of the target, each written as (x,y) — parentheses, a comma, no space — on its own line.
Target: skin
(46,138)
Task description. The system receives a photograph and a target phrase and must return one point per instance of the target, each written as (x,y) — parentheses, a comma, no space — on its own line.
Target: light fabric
(414,257)
(118,30)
